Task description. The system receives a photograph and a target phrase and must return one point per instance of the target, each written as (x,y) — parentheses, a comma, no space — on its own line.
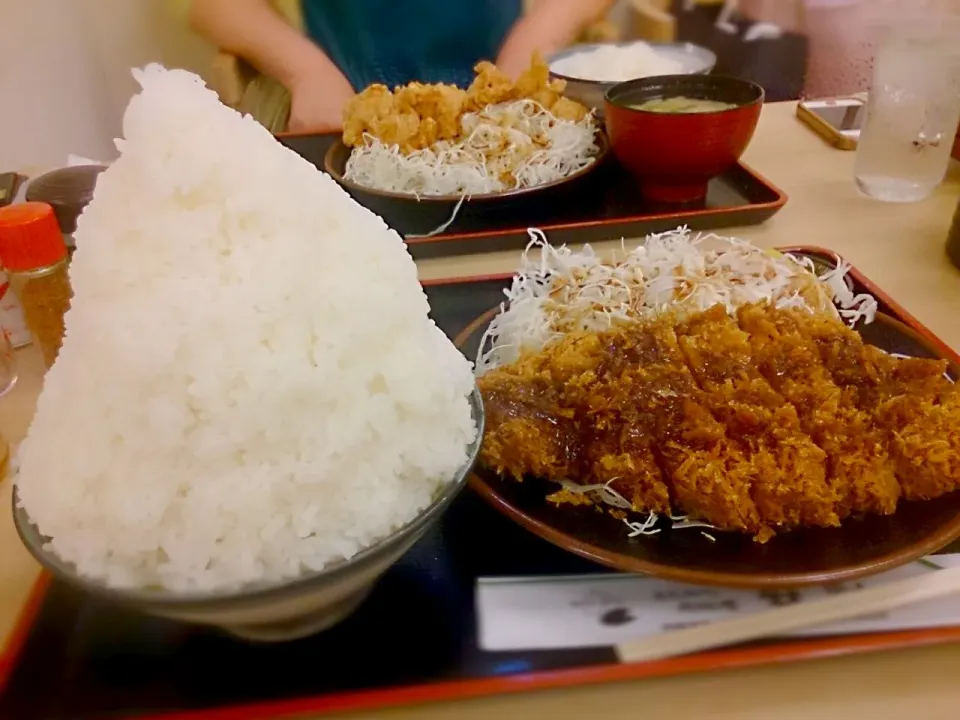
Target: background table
(898,246)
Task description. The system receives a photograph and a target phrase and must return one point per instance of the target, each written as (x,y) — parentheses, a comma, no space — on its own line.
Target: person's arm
(253,30)
(550,26)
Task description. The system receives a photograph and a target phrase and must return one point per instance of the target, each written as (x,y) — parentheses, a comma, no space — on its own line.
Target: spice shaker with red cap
(34,255)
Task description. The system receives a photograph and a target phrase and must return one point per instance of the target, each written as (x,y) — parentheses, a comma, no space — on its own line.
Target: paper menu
(556,612)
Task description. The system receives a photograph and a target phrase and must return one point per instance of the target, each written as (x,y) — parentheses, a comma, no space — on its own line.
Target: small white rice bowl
(591,70)
(615,62)
(619,62)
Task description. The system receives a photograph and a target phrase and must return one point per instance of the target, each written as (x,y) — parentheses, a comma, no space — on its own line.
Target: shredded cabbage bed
(509,146)
(560,290)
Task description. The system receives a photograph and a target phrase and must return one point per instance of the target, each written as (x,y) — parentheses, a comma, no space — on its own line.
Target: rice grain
(250,384)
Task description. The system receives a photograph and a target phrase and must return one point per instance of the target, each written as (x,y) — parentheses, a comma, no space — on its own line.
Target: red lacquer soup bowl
(675,154)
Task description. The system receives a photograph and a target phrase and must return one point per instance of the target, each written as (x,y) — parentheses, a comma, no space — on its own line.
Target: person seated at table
(349,44)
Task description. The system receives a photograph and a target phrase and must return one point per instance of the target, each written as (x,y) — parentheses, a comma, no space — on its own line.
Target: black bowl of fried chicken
(420,155)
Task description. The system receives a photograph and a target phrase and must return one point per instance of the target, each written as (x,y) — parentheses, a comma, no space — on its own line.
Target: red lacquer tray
(72,657)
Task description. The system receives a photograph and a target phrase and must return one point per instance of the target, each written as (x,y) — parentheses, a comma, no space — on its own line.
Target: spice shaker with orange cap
(34,255)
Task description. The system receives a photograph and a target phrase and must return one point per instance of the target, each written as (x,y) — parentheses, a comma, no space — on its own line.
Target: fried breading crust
(858,464)
(791,486)
(910,400)
(416,116)
(761,423)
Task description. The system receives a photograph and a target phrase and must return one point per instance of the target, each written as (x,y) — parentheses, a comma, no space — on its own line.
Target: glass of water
(912,111)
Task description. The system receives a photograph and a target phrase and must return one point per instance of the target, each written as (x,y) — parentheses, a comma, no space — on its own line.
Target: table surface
(901,248)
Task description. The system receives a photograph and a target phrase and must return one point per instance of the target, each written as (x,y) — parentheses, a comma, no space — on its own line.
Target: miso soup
(680,104)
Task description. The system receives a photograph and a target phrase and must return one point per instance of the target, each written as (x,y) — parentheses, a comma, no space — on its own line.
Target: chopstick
(889,596)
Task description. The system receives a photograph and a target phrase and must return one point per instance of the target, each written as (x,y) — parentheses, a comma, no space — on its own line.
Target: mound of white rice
(250,385)
(616,63)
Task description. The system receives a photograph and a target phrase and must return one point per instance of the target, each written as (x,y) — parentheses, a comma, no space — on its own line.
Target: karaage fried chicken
(364,113)
(416,116)
(764,422)
(441,103)
(491,86)
(567,109)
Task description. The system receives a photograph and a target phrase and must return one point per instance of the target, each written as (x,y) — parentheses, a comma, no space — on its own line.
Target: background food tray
(414,639)
(604,205)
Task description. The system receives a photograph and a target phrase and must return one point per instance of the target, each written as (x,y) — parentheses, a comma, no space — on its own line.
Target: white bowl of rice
(591,69)
(269,612)
(252,414)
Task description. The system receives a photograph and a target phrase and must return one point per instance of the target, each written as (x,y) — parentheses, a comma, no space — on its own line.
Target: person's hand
(316,105)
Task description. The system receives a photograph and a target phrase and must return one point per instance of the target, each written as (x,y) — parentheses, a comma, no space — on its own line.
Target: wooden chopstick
(889,596)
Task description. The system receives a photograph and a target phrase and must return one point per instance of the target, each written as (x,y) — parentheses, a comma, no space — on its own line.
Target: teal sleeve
(394,42)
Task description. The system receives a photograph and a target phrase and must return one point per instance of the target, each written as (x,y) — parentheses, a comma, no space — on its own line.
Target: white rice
(250,385)
(617,63)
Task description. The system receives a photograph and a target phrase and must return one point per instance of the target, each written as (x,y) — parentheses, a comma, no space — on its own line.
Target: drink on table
(912,112)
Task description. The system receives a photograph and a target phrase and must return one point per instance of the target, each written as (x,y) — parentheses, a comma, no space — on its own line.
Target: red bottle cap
(30,237)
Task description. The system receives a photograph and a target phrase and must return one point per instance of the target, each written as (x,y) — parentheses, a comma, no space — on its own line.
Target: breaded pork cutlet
(531,431)
(640,422)
(790,487)
(858,465)
(619,439)
(909,399)
(780,418)
(876,375)
(708,476)
(528,432)
(927,449)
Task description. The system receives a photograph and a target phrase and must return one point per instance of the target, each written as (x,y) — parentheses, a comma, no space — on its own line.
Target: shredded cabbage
(508,146)
(560,290)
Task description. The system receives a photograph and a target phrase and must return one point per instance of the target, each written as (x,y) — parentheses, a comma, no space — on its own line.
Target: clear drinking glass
(912,111)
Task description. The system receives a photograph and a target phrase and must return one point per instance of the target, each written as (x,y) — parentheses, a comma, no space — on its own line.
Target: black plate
(397,207)
(807,556)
